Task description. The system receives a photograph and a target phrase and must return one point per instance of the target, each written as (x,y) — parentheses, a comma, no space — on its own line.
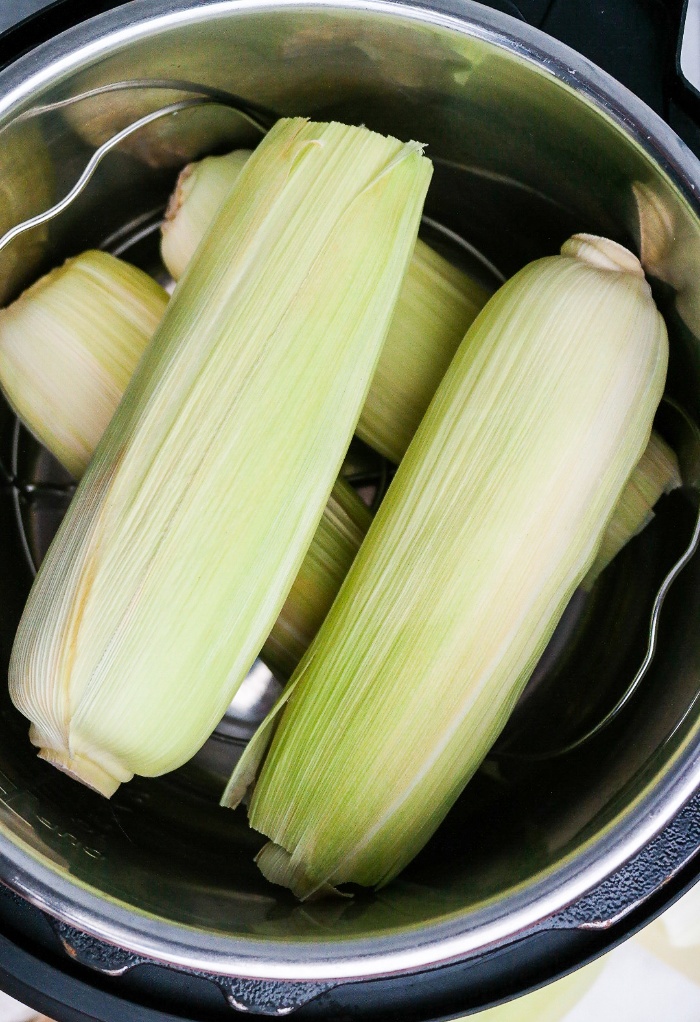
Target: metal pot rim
(521,910)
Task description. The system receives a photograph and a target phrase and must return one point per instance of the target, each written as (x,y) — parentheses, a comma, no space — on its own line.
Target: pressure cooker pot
(149,906)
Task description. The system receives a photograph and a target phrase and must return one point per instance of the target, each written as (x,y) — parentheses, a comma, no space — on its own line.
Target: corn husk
(656,474)
(68,347)
(194,516)
(200,190)
(70,344)
(437,304)
(337,539)
(493,519)
(436,307)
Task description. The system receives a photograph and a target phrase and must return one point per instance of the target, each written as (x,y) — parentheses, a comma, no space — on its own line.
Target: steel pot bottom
(530,143)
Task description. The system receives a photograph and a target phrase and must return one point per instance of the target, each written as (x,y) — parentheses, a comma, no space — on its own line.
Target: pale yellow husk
(195,513)
(337,539)
(69,346)
(436,305)
(493,519)
(656,473)
(200,190)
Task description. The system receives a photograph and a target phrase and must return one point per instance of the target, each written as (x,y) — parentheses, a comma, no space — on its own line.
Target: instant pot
(148,907)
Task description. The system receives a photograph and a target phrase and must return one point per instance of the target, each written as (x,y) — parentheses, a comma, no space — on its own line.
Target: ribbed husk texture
(337,539)
(70,344)
(68,348)
(491,522)
(656,473)
(193,518)
(437,303)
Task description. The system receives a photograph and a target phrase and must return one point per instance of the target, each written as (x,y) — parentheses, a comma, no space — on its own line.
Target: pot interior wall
(521,162)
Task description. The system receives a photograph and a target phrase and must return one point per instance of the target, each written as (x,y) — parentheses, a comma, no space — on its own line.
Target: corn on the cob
(436,305)
(336,541)
(201,188)
(656,473)
(195,513)
(69,346)
(494,517)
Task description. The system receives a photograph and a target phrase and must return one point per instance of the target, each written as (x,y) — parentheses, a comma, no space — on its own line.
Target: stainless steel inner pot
(530,143)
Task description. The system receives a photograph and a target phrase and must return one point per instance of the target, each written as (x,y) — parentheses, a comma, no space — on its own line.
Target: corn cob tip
(603,254)
(85,770)
(655,220)
(177,198)
(353,784)
(104,778)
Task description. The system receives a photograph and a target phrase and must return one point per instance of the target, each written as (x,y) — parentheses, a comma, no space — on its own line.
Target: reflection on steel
(91,167)
(257,116)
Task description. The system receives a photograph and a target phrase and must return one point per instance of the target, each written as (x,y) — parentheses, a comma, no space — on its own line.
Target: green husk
(656,473)
(477,548)
(337,539)
(68,348)
(194,516)
(437,304)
